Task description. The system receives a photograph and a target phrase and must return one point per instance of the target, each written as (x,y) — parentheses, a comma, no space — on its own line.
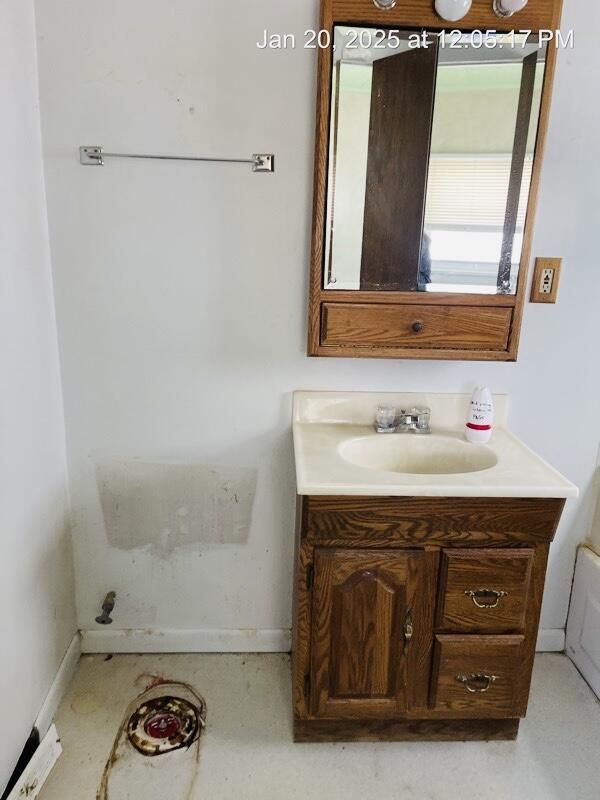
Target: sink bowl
(415,454)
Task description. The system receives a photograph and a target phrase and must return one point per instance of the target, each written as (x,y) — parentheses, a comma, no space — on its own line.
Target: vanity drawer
(381,325)
(478,676)
(484,590)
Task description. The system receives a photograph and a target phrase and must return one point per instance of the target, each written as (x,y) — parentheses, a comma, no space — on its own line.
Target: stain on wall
(165,506)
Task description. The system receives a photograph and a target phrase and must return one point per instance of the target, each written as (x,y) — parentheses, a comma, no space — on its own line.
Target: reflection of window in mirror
(482,146)
(430,159)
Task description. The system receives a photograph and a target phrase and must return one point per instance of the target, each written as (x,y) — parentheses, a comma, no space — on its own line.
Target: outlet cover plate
(546,279)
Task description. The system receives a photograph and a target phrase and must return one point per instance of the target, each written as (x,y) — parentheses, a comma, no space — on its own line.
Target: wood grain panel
(532,621)
(493,656)
(361,601)
(379,536)
(414,353)
(420,656)
(364,611)
(534,188)
(538,14)
(419,298)
(451,730)
(416,13)
(462,327)
(301,613)
(476,570)
(320,182)
(417,521)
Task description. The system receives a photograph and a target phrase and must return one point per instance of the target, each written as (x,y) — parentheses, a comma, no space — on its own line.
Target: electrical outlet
(545,280)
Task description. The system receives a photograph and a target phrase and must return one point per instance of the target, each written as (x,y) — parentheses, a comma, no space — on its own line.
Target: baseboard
(63,678)
(227,641)
(551,640)
(252,640)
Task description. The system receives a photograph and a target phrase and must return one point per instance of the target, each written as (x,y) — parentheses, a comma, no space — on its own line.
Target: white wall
(182,289)
(37,617)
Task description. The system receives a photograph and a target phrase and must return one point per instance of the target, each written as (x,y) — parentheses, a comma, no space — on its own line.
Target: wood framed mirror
(428,155)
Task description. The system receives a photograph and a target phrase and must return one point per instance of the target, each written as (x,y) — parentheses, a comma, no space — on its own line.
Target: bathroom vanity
(419,573)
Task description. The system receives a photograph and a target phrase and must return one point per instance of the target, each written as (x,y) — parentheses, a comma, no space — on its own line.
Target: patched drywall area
(166,506)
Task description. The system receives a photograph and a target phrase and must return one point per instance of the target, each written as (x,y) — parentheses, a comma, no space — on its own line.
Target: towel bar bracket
(93,156)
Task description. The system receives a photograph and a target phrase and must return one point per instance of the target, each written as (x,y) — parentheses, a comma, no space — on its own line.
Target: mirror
(430,160)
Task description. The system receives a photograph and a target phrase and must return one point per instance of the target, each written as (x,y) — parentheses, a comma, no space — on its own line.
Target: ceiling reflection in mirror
(430,161)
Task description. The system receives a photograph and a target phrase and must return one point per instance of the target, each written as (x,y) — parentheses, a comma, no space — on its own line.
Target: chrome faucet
(415,420)
(411,420)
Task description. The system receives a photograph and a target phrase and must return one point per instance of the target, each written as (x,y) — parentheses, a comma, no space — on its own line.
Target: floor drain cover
(163,724)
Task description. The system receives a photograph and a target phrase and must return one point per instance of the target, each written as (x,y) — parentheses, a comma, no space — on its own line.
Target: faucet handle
(385,419)
(424,419)
(421,410)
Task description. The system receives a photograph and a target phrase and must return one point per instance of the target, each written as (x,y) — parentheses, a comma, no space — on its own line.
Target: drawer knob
(477,682)
(418,326)
(486,598)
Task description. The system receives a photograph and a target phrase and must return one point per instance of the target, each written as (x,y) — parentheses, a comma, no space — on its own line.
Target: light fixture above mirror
(506,8)
(453,10)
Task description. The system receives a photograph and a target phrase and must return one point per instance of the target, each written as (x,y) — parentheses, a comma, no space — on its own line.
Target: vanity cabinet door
(372,622)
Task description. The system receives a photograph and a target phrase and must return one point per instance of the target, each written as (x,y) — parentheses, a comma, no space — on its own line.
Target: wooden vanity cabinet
(380,300)
(417,618)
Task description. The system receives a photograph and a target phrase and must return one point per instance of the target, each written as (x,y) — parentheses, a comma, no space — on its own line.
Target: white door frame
(583,626)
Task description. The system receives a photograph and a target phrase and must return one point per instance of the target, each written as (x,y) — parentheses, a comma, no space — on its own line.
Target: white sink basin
(338,453)
(414,454)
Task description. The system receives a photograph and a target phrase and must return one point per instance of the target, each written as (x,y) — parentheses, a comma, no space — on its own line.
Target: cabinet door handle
(486,598)
(408,630)
(477,682)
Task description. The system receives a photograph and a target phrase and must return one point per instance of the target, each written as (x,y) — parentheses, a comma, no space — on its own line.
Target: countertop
(325,421)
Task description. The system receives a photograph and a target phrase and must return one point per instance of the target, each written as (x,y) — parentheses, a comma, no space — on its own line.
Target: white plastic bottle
(480,419)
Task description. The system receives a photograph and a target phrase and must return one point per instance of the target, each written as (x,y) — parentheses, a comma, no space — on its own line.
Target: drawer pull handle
(418,326)
(486,598)
(477,683)
(408,630)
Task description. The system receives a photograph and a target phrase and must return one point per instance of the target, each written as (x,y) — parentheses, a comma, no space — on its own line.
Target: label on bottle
(480,415)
